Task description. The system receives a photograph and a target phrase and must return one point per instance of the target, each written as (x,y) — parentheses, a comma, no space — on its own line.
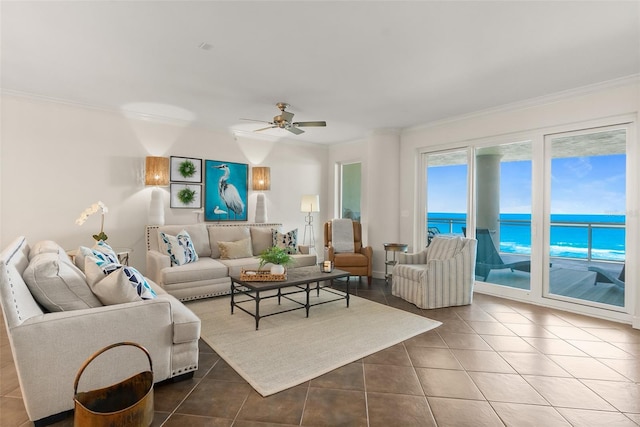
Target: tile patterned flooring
(493,363)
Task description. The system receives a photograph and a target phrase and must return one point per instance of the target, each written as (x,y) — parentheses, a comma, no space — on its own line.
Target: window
(350,190)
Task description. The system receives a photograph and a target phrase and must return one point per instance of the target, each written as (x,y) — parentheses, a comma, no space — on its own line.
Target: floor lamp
(261,181)
(310,203)
(156,173)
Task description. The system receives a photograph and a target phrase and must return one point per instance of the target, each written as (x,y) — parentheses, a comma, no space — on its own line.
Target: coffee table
(299,279)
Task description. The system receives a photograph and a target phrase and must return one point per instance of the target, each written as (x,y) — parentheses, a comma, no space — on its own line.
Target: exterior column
(488,194)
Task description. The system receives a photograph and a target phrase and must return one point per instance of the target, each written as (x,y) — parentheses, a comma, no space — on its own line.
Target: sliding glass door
(585,219)
(447,181)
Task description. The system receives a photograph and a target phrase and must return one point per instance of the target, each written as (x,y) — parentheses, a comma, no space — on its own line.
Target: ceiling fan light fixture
(284,120)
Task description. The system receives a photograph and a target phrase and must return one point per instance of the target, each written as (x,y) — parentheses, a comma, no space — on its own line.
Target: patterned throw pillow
(179,248)
(119,285)
(102,247)
(287,241)
(109,262)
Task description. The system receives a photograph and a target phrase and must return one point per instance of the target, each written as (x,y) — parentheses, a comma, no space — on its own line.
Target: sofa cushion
(287,241)
(124,284)
(57,284)
(238,249)
(261,239)
(235,266)
(198,233)
(442,248)
(45,246)
(179,247)
(225,234)
(203,269)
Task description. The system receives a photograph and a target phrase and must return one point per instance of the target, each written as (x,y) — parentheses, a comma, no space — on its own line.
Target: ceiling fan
(283,121)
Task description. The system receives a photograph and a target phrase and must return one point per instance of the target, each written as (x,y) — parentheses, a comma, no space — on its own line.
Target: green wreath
(187,169)
(187,196)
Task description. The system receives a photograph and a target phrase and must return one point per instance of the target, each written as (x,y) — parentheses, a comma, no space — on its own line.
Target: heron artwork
(229,193)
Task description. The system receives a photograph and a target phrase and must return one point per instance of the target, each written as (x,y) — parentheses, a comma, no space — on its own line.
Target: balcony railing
(577,247)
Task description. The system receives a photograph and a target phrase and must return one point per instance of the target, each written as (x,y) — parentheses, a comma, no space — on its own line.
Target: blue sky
(580,185)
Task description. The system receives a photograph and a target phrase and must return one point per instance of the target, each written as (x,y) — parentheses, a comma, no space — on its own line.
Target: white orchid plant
(94,208)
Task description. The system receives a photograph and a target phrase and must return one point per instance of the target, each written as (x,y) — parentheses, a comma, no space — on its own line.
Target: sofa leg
(178,378)
(183,377)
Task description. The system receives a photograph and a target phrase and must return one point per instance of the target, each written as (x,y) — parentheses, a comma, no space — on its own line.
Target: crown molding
(533,102)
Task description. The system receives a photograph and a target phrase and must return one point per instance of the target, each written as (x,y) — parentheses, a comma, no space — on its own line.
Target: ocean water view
(569,234)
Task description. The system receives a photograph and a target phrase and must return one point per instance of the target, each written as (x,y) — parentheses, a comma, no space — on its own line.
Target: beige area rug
(290,349)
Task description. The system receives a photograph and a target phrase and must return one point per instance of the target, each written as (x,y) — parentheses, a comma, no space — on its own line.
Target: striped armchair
(442,275)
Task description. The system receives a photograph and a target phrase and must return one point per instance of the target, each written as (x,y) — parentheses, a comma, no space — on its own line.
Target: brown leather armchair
(358,263)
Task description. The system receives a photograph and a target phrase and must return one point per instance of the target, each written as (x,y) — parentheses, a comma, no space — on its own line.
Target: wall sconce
(310,203)
(156,174)
(261,181)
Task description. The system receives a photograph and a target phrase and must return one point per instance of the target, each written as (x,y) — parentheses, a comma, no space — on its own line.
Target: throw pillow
(102,247)
(179,248)
(261,239)
(58,285)
(287,241)
(125,284)
(108,261)
(234,250)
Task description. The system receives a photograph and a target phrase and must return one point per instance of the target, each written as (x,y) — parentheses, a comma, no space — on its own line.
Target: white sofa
(442,275)
(209,275)
(49,347)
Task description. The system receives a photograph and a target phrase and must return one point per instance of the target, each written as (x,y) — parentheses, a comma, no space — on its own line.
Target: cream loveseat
(209,275)
(442,275)
(49,348)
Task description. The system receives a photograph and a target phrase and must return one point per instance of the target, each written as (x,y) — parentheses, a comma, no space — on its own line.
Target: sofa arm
(156,261)
(413,258)
(49,350)
(304,249)
(367,251)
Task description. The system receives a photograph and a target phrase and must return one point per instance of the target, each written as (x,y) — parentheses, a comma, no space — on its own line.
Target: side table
(392,248)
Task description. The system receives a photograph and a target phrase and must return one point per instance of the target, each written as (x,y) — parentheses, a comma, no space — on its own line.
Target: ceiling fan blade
(287,116)
(259,121)
(295,130)
(310,124)
(268,127)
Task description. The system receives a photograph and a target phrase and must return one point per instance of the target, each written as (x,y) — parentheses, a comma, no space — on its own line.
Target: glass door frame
(576,130)
(421,237)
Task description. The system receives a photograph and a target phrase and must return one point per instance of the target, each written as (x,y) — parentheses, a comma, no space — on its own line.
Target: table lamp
(156,174)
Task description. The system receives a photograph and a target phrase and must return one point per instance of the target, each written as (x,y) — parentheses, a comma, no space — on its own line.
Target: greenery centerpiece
(276,256)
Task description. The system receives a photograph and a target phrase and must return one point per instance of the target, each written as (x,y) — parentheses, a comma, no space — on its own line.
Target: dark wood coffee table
(300,279)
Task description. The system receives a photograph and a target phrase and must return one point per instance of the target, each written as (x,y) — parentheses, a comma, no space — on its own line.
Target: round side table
(392,248)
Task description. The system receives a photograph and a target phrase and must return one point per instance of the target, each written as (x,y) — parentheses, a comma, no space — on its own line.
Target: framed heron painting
(226,190)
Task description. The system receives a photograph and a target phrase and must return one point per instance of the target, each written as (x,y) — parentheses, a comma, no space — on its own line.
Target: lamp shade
(261,178)
(310,203)
(156,171)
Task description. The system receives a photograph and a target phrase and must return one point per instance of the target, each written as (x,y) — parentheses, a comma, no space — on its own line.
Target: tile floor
(493,363)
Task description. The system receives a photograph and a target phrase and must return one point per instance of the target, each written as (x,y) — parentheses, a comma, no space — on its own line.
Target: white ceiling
(358,65)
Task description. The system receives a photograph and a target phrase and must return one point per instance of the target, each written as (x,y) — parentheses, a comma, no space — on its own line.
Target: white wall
(57,159)
(379,155)
(620,98)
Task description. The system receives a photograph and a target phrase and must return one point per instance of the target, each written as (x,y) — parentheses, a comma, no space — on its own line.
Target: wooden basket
(261,276)
(128,403)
